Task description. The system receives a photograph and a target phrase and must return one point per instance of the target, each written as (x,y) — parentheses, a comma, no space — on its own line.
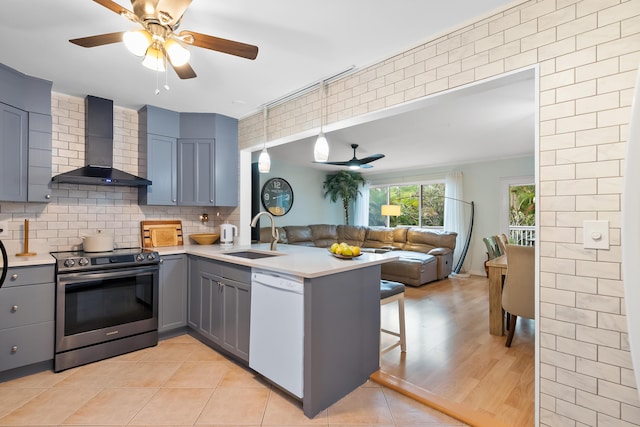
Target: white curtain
(454,211)
(361,207)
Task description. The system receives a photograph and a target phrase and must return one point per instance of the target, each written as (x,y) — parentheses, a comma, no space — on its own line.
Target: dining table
(497,270)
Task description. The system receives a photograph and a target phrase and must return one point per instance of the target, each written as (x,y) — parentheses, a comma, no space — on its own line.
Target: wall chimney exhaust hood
(99,150)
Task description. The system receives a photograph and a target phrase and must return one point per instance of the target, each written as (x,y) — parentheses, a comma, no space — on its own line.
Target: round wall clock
(277,196)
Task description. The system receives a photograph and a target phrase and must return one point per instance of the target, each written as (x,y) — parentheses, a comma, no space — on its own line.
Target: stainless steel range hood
(99,150)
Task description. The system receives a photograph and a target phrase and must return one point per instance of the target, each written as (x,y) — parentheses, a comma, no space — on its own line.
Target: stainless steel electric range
(106,304)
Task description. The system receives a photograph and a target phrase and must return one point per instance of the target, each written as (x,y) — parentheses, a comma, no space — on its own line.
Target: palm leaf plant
(344,185)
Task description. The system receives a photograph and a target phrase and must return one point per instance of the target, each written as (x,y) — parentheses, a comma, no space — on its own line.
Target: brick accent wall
(587,52)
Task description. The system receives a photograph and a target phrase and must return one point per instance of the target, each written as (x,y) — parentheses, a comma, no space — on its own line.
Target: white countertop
(297,260)
(41,258)
(303,261)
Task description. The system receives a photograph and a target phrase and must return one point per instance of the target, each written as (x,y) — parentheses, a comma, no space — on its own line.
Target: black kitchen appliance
(106,304)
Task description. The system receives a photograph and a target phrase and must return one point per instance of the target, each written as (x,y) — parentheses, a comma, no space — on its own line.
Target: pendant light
(321,148)
(264,161)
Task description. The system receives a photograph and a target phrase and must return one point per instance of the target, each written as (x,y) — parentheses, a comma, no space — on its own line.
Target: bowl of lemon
(344,250)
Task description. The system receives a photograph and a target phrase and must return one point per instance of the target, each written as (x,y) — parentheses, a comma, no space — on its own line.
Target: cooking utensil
(99,242)
(26,241)
(157,233)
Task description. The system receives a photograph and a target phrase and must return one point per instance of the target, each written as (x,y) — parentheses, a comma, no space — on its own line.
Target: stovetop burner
(68,261)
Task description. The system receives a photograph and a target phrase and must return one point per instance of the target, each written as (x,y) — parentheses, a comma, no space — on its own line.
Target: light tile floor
(182,382)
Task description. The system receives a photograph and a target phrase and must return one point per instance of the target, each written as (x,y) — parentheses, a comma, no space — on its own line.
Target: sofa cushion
(265,234)
(299,235)
(324,235)
(352,234)
(378,237)
(423,240)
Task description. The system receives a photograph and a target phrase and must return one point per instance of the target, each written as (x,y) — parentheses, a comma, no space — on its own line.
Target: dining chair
(502,241)
(518,294)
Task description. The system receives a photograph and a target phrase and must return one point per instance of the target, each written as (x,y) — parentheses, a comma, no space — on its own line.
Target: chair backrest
(493,250)
(502,241)
(518,295)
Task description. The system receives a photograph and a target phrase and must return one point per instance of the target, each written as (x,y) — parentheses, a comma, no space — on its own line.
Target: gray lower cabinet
(219,304)
(27,310)
(173,292)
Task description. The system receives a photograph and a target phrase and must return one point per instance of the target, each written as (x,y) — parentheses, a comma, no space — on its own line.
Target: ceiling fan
(158,40)
(356,163)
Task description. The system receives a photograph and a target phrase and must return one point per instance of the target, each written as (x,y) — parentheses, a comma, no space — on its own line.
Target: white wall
(309,206)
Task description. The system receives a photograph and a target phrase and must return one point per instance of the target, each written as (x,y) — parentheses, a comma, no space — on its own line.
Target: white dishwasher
(276,340)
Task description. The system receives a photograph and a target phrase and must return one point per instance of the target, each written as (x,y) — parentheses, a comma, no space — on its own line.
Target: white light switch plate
(4,228)
(596,234)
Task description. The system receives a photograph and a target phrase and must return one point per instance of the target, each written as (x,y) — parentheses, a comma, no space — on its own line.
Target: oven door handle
(69,279)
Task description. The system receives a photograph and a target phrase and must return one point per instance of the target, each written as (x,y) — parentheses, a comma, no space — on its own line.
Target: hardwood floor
(451,354)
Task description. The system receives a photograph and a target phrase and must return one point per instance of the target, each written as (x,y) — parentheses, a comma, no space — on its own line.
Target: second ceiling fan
(356,163)
(158,40)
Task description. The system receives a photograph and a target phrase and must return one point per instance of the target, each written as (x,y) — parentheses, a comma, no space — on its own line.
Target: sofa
(424,255)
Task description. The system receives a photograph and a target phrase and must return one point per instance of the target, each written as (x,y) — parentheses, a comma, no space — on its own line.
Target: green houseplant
(343,185)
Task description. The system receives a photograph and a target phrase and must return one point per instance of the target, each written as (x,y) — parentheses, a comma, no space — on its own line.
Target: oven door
(98,306)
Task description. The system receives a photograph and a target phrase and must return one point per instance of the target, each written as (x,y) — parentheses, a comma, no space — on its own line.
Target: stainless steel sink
(252,254)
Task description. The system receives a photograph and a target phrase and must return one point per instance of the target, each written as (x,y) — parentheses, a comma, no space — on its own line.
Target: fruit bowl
(345,256)
(204,238)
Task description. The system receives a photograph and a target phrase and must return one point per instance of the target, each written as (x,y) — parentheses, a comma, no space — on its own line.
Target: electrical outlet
(4,228)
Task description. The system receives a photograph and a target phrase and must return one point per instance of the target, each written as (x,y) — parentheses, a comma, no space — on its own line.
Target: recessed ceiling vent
(99,150)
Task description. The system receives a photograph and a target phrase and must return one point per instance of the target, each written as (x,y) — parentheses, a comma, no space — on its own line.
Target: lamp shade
(154,59)
(321,149)
(178,54)
(137,41)
(391,210)
(264,161)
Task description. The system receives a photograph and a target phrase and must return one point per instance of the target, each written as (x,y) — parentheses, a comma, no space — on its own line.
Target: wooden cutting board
(161,233)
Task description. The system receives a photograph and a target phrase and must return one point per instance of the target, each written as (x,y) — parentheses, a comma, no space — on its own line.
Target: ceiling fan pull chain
(157,91)
(166,73)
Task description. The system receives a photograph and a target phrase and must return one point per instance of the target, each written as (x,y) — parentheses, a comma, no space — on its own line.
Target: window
(422,205)
(518,210)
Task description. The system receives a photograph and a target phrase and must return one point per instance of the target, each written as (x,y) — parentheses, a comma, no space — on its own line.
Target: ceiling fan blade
(99,40)
(370,159)
(184,71)
(113,6)
(231,47)
(334,163)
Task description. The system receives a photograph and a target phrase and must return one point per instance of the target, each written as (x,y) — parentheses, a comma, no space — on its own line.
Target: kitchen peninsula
(341,310)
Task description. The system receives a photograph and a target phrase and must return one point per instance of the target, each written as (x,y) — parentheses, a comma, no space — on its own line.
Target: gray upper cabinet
(196,172)
(25,137)
(226,161)
(13,162)
(158,131)
(200,150)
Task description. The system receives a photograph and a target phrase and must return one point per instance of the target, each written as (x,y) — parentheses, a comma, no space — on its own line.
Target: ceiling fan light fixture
(178,54)
(354,167)
(154,59)
(137,41)
(321,149)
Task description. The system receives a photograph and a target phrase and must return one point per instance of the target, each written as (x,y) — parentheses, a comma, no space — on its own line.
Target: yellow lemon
(339,250)
(333,248)
(355,250)
(347,251)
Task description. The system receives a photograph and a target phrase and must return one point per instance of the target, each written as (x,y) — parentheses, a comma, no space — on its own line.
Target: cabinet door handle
(14,349)
(14,308)
(161,261)
(48,196)
(14,277)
